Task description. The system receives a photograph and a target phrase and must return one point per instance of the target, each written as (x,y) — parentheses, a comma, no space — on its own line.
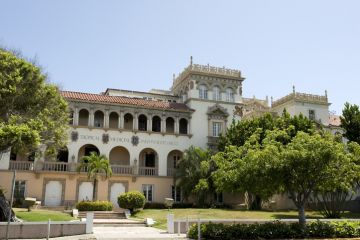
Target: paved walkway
(119,233)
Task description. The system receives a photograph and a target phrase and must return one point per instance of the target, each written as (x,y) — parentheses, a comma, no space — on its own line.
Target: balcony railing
(122,169)
(21,165)
(148,171)
(56,166)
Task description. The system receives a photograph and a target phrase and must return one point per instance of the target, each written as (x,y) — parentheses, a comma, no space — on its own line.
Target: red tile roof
(120,100)
(334,120)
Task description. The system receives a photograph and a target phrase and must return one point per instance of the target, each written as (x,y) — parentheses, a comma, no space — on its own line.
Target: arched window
(113,120)
(71,117)
(99,119)
(203,92)
(156,124)
(142,123)
(183,128)
(128,121)
(216,93)
(229,95)
(170,125)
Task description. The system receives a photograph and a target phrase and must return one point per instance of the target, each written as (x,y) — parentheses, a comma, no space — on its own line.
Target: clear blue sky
(137,45)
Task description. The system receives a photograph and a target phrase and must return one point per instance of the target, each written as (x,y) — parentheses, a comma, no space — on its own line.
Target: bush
(94,206)
(131,200)
(277,230)
(154,205)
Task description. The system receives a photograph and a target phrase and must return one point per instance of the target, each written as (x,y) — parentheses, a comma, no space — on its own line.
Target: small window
(217,128)
(203,92)
(176,159)
(148,191)
(312,114)
(216,93)
(176,193)
(19,191)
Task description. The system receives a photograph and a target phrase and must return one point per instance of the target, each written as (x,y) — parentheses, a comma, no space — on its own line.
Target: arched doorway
(113,120)
(156,124)
(170,125)
(63,155)
(142,123)
(128,121)
(172,160)
(99,119)
(120,160)
(148,162)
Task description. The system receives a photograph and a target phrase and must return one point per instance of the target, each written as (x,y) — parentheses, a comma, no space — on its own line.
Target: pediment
(217,110)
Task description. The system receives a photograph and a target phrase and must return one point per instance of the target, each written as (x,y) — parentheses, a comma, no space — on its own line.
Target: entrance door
(53,192)
(85,191)
(115,191)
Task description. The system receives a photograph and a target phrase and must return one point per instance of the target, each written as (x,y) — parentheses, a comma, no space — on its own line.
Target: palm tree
(95,164)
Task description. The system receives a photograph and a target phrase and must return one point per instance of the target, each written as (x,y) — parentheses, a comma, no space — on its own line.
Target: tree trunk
(94,189)
(302,218)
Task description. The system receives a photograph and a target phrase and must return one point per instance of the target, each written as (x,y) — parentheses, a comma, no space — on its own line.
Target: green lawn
(159,215)
(38,215)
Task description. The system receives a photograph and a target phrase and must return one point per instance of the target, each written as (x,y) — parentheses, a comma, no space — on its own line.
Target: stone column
(106,118)
(177,125)
(149,123)
(163,124)
(188,126)
(121,120)
(135,122)
(76,117)
(91,118)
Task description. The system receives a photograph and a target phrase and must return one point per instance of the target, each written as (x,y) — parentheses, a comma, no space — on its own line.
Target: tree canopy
(32,111)
(350,122)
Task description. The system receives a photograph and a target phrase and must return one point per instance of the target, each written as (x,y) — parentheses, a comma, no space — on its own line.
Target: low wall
(19,230)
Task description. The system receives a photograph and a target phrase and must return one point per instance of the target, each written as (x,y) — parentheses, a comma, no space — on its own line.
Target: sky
(89,45)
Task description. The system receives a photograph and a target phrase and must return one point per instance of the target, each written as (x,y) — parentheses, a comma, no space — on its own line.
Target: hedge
(94,206)
(277,230)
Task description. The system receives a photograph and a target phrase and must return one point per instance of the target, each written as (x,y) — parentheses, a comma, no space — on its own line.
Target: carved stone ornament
(74,136)
(105,138)
(217,110)
(135,140)
(239,110)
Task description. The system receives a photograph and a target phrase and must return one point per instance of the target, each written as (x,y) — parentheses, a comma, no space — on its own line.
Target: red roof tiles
(120,100)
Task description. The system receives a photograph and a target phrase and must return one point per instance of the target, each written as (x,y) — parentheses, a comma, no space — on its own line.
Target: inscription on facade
(128,140)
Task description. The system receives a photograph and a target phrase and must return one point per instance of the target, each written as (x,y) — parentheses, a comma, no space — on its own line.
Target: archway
(86,150)
(156,124)
(148,162)
(119,156)
(142,123)
(128,121)
(183,126)
(170,125)
(172,160)
(63,155)
(83,117)
(113,120)
(99,119)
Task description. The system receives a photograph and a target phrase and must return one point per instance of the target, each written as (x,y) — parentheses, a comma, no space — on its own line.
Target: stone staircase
(104,215)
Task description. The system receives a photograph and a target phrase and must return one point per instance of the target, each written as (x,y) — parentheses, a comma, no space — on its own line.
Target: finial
(326,93)
(293,89)
(191,60)
(173,76)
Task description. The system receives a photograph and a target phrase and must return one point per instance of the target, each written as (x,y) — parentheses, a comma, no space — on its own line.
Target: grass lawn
(159,215)
(38,215)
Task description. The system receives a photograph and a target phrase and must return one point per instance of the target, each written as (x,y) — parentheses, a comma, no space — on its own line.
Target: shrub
(277,230)
(131,200)
(154,205)
(94,206)
(183,205)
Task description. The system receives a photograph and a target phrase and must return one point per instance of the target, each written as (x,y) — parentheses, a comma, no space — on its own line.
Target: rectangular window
(312,114)
(176,193)
(217,128)
(19,191)
(148,191)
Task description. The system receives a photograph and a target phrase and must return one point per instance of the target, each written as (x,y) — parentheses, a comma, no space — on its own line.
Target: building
(144,134)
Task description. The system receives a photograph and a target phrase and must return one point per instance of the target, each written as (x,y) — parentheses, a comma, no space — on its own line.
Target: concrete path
(104,233)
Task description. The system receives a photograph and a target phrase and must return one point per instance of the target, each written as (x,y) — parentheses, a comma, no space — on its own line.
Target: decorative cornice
(301,97)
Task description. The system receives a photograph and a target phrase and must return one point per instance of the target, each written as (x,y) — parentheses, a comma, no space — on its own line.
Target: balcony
(21,165)
(56,166)
(148,171)
(122,169)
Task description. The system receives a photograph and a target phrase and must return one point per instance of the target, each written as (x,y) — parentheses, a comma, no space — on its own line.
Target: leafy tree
(95,164)
(32,111)
(193,174)
(131,200)
(350,121)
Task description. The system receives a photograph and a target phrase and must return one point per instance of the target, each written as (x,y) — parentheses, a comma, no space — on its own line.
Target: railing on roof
(207,69)
(302,97)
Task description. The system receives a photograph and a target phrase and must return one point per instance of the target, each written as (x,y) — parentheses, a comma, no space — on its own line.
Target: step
(104,215)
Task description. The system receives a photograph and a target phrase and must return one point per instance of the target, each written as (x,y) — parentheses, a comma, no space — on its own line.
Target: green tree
(350,122)
(193,174)
(32,111)
(95,164)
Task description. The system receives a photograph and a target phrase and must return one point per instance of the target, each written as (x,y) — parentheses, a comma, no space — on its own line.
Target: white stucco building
(144,134)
